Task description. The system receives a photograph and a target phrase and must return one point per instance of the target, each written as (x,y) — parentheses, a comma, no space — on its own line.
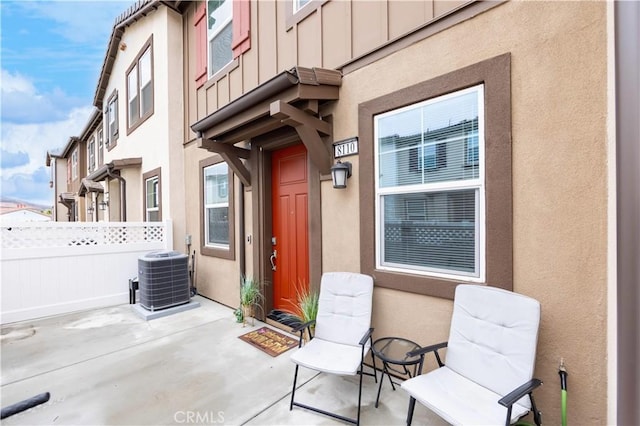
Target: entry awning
(291,98)
(88,185)
(67,199)
(102,172)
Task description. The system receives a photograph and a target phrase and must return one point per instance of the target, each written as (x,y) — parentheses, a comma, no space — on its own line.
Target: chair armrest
(301,327)
(426,349)
(510,399)
(366,337)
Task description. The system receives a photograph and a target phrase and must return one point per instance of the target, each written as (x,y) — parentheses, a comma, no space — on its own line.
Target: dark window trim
(150,174)
(230,253)
(136,62)
(112,142)
(292,19)
(495,74)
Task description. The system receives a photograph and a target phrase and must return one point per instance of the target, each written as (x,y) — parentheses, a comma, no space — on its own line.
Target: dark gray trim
(627,57)
(495,74)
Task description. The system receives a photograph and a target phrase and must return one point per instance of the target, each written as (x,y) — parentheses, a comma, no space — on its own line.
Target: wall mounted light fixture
(340,172)
(103,205)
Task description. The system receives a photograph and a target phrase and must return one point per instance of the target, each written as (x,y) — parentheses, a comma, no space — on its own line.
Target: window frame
(74,164)
(152,174)
(438,187)
(134,70)
(209,250)
(91,154)
(293,16)
(100,147)
(495,74)
(112,132)
(211,34)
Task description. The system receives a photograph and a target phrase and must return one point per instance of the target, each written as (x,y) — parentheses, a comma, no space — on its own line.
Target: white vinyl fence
(52,268)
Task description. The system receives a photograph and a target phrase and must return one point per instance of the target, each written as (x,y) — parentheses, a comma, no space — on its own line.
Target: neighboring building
(68,168)
(480,137)
(23,215)
(140,95)
(58,182)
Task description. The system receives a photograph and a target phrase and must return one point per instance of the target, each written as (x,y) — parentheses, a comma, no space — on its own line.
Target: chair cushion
(329,357)
(458,400)
(493,337)
(344,307)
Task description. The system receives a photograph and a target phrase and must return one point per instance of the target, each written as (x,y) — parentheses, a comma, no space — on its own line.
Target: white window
(112,120)
(298,4)
(91,154)
(152,201)
(100,147)
(430,209)
(140,87)
(74,164)
(219,34)
(216,205)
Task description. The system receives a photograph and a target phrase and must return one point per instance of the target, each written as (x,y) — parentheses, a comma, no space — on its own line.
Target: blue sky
(51,55)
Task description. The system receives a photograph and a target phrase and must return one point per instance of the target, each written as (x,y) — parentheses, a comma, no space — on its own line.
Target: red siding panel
(201,44)
(241,41)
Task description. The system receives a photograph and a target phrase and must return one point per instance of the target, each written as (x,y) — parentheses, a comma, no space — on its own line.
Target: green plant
(250,293)
(239,315)
(306,307)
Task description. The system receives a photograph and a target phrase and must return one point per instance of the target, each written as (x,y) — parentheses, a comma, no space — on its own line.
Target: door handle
(272,259)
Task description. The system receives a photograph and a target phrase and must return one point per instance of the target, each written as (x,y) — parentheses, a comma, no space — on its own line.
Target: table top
(394,350)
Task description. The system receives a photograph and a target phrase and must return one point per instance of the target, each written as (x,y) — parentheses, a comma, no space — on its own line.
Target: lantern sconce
(103,204)
(340,172)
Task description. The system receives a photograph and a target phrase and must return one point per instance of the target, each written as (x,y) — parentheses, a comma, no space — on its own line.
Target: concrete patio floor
(110,367)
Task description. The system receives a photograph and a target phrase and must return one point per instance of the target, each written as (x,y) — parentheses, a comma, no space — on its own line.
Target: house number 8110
(345,148)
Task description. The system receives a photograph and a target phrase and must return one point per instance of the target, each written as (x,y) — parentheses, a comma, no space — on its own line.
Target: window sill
(215,78)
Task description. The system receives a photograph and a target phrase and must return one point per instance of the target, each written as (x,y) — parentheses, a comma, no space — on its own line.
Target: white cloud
(22,103)
(76,20)
(35,139)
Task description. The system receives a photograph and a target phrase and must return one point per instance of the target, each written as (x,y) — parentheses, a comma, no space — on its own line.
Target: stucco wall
(217,279)
(559,113)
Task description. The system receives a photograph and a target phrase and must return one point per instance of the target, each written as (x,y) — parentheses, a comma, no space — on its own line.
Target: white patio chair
(488,375)
(342,333)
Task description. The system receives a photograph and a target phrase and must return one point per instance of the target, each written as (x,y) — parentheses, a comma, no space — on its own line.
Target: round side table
(393,353)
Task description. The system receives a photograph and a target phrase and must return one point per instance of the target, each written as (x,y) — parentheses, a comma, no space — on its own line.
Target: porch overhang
(88,185)
(291,98)
(67,199)
(102,172)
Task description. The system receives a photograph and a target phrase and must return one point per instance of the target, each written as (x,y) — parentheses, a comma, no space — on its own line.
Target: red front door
(290,242)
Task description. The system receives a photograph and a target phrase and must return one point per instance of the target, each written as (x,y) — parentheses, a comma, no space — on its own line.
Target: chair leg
(360,393)
(412,406)
(537,415)
(293,391)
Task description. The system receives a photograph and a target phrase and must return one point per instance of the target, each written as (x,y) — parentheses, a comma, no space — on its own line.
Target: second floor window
(140,87)
(100,147)
(298,4)
(111,120)
(219,34)
(91,155)
(74,164)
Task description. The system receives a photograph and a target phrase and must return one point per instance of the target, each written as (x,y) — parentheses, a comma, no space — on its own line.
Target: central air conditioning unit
(163,278)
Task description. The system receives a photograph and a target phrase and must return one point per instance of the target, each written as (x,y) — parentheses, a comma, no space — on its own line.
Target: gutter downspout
(242,261)
(123,192)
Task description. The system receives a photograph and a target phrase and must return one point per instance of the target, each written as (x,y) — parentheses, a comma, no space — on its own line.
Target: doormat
(269,341)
